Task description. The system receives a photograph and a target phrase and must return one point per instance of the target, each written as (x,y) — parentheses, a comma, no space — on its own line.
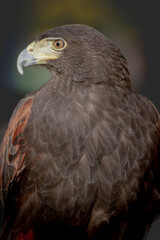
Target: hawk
(80,156)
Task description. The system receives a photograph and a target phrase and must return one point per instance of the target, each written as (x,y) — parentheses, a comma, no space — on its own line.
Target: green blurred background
(132,25)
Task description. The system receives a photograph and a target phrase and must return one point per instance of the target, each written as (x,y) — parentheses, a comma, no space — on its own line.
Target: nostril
(30,50)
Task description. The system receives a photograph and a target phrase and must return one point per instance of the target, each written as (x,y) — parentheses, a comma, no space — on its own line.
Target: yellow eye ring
(59,44)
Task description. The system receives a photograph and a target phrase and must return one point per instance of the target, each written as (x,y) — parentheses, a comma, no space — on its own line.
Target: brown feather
(81,155)
(11,156)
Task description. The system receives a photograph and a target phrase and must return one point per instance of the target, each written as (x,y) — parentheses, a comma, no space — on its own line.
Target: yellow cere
(46,48)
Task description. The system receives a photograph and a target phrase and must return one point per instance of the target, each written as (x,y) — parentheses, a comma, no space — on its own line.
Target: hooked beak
(25,59)
(37,53)
(34,54)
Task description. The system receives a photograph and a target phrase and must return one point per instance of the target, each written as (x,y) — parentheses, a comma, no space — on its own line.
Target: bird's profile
(80,156)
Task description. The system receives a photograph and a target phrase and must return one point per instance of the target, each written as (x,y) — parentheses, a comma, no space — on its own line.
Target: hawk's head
(77,52)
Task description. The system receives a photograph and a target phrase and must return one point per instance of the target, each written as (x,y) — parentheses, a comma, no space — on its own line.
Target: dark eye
(58,44)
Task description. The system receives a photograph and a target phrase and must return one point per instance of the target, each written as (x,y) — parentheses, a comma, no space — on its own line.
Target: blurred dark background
(132,25)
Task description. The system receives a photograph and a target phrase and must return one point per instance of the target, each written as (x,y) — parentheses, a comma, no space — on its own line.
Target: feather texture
(81,159)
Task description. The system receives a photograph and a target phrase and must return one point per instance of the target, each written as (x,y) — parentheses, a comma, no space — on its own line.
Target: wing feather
(11,154)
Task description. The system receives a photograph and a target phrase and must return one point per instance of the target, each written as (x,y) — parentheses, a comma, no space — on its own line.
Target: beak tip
(20,62)
(20,69)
